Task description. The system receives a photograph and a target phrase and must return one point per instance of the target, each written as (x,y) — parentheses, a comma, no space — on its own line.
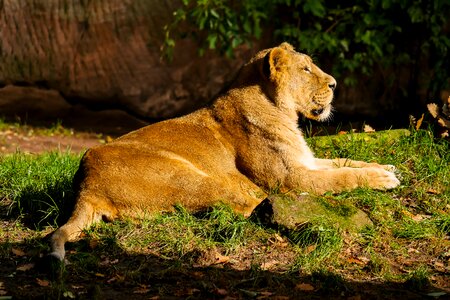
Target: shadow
(106,271)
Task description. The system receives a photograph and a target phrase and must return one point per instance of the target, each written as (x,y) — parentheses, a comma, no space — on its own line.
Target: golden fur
(244,143)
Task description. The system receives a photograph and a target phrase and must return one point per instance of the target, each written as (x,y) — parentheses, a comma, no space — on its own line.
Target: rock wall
(106,54)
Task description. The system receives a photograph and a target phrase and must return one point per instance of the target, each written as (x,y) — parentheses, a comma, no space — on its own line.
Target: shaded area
(26,106)
(108,272)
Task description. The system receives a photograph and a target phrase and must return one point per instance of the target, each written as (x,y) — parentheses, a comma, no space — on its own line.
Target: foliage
(357,36)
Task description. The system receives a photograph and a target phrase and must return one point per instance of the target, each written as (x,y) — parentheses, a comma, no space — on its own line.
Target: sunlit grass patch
(407,240)
(37,187)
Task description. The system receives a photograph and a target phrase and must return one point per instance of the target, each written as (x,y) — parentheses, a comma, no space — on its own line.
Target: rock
(292,212)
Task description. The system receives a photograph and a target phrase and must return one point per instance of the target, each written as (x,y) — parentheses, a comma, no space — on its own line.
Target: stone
(292,212)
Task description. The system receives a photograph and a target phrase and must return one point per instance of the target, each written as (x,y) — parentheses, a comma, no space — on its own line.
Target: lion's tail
(82,217)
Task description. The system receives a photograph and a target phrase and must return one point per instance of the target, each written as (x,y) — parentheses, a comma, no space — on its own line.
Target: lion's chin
(321,114)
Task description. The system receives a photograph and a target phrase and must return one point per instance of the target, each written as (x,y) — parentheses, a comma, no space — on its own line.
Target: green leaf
(212,41)
(315,7)
(214,13)
(344,44)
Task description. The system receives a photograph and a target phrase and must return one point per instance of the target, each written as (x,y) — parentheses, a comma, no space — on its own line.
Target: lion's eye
(307,69)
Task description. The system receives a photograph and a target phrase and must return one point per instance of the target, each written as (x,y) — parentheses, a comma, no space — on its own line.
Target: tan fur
(246,142)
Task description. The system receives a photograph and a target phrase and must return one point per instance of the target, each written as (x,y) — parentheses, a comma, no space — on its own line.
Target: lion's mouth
(317,112)
(321,113)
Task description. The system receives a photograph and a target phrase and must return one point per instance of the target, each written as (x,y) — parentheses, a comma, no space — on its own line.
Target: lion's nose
(332,84)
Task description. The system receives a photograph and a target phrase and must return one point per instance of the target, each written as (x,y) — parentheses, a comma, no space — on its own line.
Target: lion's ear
(274,64)
(287,46)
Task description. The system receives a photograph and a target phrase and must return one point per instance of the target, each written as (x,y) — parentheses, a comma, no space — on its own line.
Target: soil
(80,129)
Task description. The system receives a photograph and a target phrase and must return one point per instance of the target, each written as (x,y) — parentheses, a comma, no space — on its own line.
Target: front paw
(381,179)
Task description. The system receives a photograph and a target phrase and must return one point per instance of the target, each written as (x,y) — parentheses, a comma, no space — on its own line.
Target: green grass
(38,187)
(410,223)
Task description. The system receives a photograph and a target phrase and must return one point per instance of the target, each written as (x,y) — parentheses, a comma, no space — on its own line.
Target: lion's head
(294,82)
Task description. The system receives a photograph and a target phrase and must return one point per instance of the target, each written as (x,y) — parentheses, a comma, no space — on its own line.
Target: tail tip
(52,264)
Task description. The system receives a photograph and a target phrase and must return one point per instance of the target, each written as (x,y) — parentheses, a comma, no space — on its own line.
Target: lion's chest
(270,160)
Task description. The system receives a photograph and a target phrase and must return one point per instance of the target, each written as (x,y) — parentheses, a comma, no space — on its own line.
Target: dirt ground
(79,130)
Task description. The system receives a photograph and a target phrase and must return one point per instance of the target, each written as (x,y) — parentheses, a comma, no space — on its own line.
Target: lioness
(244,143)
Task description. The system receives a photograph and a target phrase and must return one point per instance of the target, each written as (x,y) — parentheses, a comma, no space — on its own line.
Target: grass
(38,188)
(408,242)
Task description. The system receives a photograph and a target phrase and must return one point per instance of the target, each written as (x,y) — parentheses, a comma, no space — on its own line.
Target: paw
(381,179)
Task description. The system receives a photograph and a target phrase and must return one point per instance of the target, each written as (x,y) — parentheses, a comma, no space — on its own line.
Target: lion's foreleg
(345,162)
(341,179)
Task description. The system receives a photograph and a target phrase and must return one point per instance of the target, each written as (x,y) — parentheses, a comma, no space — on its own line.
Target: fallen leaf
(356,261)
(221,292)
(77,287)
(407,213)
(42,282)
(116,277)
(183,292)
(413,250)
(17,252)
(439,266)
(2,287)
(141,290)
(304,287)
(221,259)
(197,274)
(25,267)
(419,122)
(433,191)
(310,248)
(436,294)
(108,262)
(433,109)
(249,293)
(368,129)
(265,295)
(279,238)
(69,294)
(418,217)
(269,264)
(192,291)
(342,132)
(99,275)
(93,243)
